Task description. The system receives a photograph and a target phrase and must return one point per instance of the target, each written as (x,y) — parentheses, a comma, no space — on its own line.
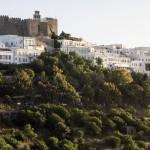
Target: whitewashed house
(113,56)
(81,47)
(17,50)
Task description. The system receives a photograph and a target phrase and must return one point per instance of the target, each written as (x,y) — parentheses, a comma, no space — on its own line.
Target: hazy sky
(98,21)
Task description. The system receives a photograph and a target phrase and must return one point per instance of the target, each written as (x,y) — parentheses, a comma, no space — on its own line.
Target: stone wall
(43,29)
(6,27)
(32,27)
(27,27)
(52,26)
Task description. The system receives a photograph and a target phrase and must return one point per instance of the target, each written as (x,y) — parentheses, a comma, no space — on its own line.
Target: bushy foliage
(112,141)
(66,102)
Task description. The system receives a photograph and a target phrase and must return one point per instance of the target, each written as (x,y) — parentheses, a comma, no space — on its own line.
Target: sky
(98,21)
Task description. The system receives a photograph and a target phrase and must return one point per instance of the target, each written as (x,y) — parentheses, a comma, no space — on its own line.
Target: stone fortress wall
(28,27)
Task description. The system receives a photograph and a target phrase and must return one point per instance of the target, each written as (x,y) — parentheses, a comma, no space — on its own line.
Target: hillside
(65,102)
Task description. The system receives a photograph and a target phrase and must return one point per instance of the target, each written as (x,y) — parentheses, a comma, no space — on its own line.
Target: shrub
(142,144)
(80,115)
(61,129)
(119,121)
(40,145)
(110,124)
(140,135)
(93,128)
(7,147)
(128,143)
(96,113)
(53,143)
(7,98)
(79,133)
(34,117)
(54,119)
(29,132)
(112,141)
(2,142)
(60,110)
(11,141)
(95,120)
(67,145)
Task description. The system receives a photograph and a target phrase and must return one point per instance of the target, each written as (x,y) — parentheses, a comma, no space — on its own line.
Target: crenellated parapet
(28,27)
(4,17)
(15,20)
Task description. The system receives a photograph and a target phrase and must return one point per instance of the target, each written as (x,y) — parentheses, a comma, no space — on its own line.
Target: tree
(53,143)
(29,132)
(40,145)
(38,65)
(112,141)
(2,142)
(30,72)
(64,35)
(1,78)
(54,36)
(99,61)
(119,121)
(62,130)
(66,89)
(67,145)
(112,93)
(48,91)
(58,109)
(93,128)
(133,94)
(56,144)
(139,78)
(129,143)
(146,87)
(142,144)
(23,80)
(121,77)
(88,94)
(25,135)
(53,119)
(109,124)
(36,118)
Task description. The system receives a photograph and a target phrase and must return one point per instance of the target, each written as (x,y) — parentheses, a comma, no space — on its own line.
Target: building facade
(81,47)
(19,50)
(113,56)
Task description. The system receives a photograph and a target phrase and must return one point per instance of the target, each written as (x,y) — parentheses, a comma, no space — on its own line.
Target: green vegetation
(66,102)
(147,67)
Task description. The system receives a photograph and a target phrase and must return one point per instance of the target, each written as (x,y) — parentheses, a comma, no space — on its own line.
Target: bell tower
(37,15)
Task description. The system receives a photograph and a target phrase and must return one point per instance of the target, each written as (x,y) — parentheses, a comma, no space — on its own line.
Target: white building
(15,41)
(116,56)
(17,50)
(81,47)
(140,59)
(138,66)
(6,56)
(113,56)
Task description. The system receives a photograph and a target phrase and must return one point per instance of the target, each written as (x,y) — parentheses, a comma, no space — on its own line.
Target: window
(24,60)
